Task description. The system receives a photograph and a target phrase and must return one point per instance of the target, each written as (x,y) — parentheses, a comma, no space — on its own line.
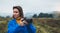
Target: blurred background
(45,14)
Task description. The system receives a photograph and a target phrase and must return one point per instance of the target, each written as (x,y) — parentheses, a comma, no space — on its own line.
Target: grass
(43,25)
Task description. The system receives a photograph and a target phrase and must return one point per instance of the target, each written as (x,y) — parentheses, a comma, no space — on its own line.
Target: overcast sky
(29,6)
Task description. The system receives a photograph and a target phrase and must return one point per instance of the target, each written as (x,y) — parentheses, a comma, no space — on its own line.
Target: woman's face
(15,13)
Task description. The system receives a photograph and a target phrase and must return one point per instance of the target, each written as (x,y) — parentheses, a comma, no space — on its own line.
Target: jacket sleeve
(12,28)
(31,28)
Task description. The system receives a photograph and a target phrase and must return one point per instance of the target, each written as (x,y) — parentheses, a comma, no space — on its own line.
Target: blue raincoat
(13,27)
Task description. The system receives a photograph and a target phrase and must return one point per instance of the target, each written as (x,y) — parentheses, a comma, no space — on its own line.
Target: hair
(20,11)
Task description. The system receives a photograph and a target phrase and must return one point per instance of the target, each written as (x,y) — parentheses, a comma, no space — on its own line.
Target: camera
(27,20)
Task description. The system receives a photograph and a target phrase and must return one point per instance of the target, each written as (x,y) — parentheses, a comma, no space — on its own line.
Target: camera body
(27,20)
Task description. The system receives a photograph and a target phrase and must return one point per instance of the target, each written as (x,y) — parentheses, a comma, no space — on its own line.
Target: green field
(43,25)
(47,25)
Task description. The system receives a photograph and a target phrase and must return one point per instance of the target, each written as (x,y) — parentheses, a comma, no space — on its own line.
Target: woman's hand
(25,22)
(21,24)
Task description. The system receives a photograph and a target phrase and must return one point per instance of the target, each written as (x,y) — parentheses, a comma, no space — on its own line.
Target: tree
(35,16)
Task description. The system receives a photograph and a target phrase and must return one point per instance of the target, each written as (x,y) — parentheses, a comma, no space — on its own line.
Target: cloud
(29,6)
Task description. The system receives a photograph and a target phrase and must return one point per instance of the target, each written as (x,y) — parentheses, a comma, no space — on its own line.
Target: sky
(30,7)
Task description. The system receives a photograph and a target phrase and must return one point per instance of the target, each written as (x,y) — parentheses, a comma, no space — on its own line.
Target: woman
(16,25)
